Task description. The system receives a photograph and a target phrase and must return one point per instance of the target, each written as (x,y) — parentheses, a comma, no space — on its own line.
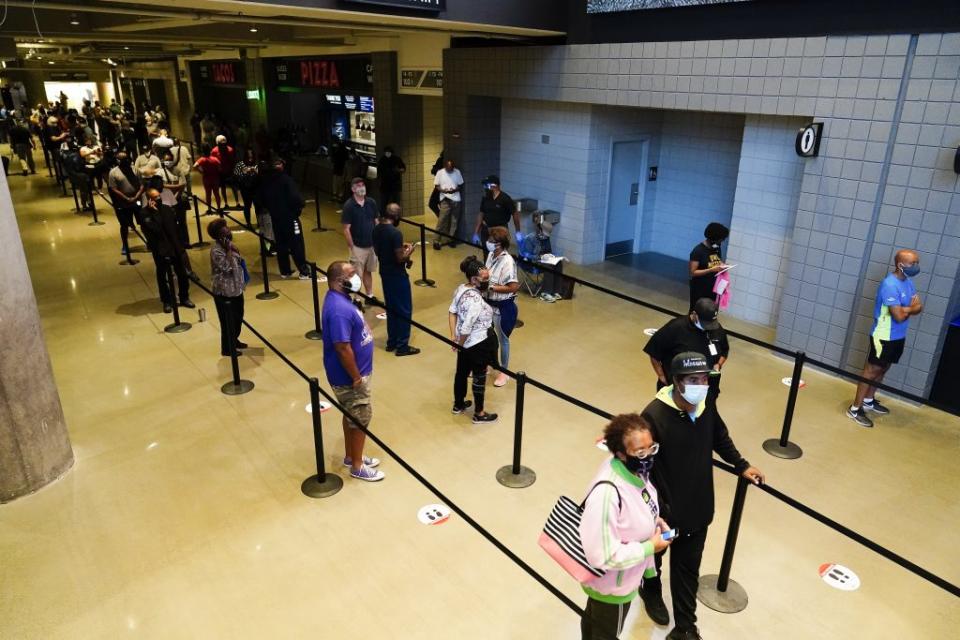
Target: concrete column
(34,445)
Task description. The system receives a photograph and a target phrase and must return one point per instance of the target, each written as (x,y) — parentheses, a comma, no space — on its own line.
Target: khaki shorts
(363,259)
(356,401)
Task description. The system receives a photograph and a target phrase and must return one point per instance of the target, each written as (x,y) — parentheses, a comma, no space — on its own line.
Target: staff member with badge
(496,209)
(706,261)
(699,331)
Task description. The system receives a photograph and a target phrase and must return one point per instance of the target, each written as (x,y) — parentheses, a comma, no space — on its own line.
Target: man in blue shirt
(359,217)
(897,300)
(348,362)
(393,254)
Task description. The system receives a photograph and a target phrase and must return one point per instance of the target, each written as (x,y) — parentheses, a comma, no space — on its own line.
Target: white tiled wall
(764,209)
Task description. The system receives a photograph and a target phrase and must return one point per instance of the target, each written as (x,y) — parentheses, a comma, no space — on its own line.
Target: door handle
(634,193)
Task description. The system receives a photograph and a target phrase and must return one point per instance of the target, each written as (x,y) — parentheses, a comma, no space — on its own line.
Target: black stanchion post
(315,333)
(424,281)
(196,214)
(76,201)
(236,386)
(177,326)
(322,485)
(719,592)
(514,475)
(93,208)
(63,177)
(266,294)
(782,447)
(316,206)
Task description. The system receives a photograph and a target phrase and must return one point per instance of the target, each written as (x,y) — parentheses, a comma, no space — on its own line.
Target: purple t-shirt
(343,322)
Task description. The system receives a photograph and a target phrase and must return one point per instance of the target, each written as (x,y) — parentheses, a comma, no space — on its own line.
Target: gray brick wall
(854,204)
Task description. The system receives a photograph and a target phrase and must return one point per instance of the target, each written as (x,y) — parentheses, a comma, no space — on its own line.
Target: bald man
(897,301)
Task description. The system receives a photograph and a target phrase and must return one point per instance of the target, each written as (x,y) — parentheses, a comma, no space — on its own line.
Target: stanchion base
(312,487)
(425,283)
(507,478)
(732,600)
(231,389)
(129,262)
(95,223)
(267,295)
(177,328)
(313,334)
(319,229)
(789,452)
(199,245)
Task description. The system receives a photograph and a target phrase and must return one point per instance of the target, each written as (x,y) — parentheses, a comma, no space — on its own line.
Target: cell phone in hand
(669,535)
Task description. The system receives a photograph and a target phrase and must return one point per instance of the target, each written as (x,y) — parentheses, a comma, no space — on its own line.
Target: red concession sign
(319,73)
(224,73)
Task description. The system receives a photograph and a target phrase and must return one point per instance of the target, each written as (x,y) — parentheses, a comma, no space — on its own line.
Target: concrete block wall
(858,86)
(432,146)
(768,189)
(699,158)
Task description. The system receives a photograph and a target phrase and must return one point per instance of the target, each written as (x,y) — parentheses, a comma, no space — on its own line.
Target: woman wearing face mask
(471,320)
(229,278)
(209,168)
(502,293)
(706,261)
(621,528)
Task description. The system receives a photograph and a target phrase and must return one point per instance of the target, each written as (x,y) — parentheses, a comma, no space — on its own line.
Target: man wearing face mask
(348,362)
(706,261)
(358,217)
(160,227)
(699,331)
(496,209)
(279,195)
(897,301)
(688,431)
(393,254)
(390,170)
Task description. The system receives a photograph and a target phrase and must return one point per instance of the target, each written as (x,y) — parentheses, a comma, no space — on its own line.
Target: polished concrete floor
(183,516)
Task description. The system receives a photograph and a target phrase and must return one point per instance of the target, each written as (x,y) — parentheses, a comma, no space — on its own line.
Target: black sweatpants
(474,361)
(236,319)
(602,620)
(685,554)
(183,283)
(289,236)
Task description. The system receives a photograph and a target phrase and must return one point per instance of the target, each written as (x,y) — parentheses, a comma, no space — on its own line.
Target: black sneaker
(436,245)
(241,345)
(409,351)
(690,633)
(485,418)
(167,308)
(876,407)
(186,302)
(860,417)
(458,409)
(391,349)
(655,607)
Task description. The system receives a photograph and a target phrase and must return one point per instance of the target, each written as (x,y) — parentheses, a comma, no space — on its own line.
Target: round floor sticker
(433,514)
(839,577)
(788,381)
(324,407)
(649,331)
(382,316)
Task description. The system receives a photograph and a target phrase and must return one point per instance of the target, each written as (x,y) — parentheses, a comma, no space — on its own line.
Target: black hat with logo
(689,362)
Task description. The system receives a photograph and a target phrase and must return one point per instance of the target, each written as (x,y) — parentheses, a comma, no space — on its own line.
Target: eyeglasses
(646,453)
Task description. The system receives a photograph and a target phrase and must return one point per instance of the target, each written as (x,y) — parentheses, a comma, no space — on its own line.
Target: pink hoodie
(617,538)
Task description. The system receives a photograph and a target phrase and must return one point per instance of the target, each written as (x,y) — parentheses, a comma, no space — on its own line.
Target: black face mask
(639,466)
(483,285)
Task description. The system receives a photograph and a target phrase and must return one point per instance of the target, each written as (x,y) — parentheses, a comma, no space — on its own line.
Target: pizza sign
(224,73)
(319,73)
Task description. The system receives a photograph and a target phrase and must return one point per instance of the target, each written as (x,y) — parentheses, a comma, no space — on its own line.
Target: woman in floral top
(229,279)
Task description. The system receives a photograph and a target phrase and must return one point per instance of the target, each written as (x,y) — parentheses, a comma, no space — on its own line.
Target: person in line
(338,161)
(706,261)
(496,209)
(246,177)
(358,217)
(228,282)
(21,143)
(279,195)
(449,184)
(209,168)
(390,170)
(92,154)
(147,162)
(125,191)
(348,363)
(227,156)
(621,528)
(183,161)
(897,301)
(471,327)
(698,331)
(172,194)
(393,254)
(502,293)
(688,431)
(159,224)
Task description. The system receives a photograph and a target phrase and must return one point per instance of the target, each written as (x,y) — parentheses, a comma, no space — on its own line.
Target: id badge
(712,348)
(296,227)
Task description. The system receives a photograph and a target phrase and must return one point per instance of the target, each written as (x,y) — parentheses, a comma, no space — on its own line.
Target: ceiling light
(74,20)
(126,48)
(39,57)
(50,62)
(253,29)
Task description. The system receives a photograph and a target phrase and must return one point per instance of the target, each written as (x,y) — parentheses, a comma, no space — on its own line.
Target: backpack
(72,161)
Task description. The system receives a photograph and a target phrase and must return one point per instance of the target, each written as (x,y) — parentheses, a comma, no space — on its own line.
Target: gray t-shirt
(116,180)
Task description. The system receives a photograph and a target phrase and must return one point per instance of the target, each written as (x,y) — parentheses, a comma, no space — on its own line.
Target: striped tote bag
(561,536)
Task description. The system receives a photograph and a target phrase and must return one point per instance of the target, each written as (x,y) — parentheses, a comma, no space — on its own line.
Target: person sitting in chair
(537,249)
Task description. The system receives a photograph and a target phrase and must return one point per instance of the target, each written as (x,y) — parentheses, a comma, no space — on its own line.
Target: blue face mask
(698,325)
(910,271)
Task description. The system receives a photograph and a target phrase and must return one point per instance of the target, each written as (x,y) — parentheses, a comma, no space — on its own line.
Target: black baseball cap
(492,179)
(707,313)
(689,362)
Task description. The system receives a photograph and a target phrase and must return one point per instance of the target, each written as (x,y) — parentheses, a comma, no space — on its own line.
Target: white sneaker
(368,474)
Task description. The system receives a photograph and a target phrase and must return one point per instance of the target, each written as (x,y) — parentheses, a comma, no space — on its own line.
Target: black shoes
(391,349)
(241,345)
(188,303)
(408,351)
(167,308)
(486,418)
(656,608)
(458,409)
(436,245)
(690,633)
(876,407)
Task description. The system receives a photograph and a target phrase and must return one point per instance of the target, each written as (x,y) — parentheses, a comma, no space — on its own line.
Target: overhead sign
(421,78)
(612,6)
(319,73)
(69,75)
(423,5)
(808,140)
(227,73)
(324,73)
